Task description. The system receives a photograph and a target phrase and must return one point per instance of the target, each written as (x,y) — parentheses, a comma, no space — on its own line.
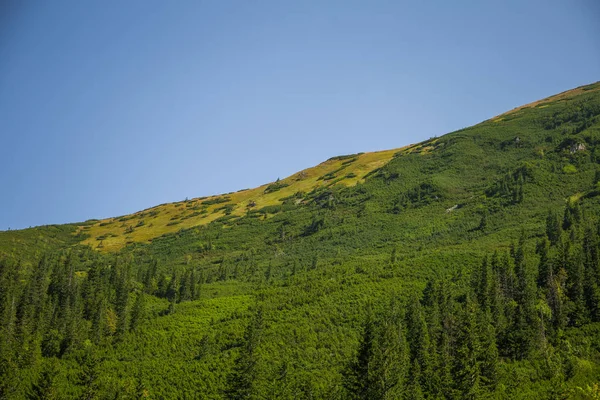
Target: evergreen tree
(497,298)
(358,379)
(43,388)
(524,325)
(185,289)
(171,293)
(557,301)
(122,301)
(419,345)
(194,292)
(88,375)
(415,390)
(483,284)
(240,382)
(545,268)
(389,368)
(572,215)
(553,228)
(9,285)
(488,358)
(138,311)
(467,376)
(591,281)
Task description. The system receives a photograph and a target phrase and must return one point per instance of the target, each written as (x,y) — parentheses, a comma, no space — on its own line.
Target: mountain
(465,266)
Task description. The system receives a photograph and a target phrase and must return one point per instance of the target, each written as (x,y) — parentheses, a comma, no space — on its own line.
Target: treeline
(61,307)
(450,343)
(73,302)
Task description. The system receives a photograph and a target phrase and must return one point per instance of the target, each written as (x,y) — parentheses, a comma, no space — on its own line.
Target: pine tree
(572,215)
(483,284)
(88,376)
(9,284)
(522,336)
(171,293)
(358,381)
(467,377)
(121,301)
(419,344)
(150,284)
(43,388)
(185,289)
(553,228)
(497,298)
(488,358)
(415,390)
(240,382)
(194,292)
(138,311)
(591,289)
(545,268)
(388,370)
(557,301)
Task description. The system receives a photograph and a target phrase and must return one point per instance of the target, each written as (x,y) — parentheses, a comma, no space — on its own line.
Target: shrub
(569,169)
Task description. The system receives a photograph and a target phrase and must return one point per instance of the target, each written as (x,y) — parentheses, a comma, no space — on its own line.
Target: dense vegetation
(465,268)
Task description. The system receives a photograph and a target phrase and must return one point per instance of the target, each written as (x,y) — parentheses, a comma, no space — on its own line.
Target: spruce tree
(88,375)
(171,293)
(419,344)
(138,311)
(388,370)
(545,268)
(241,380)
(553,227)
(467,376)
(488,358)
(358,381)
(44,387)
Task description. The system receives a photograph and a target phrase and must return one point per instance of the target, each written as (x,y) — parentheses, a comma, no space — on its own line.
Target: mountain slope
(114,233)
(386,268)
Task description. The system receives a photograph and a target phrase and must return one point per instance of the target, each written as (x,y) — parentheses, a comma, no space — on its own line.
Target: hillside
(114,233)
(465,266)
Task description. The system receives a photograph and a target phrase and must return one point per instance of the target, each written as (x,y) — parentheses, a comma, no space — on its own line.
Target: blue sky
(109,107)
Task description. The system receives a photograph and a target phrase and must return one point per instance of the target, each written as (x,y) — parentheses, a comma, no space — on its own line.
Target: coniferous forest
(466,267)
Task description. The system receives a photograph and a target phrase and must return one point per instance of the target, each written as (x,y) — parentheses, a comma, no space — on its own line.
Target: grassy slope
(112,234)
(28,245)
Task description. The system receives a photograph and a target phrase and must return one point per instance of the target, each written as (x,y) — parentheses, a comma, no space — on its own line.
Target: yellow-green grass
(113,233)
(569,94)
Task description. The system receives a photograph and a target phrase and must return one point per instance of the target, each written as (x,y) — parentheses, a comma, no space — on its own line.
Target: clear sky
(109,107)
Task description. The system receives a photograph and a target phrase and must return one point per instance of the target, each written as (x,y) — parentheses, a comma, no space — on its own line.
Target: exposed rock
(577,147)
(454,207)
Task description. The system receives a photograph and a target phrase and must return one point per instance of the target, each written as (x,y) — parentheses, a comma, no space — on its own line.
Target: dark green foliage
(43,388)
(359,380)
(421,195)
(88,375)
(138,313)
(510,188)
(216,200)
(276,186)
(466,371)
(241,382)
